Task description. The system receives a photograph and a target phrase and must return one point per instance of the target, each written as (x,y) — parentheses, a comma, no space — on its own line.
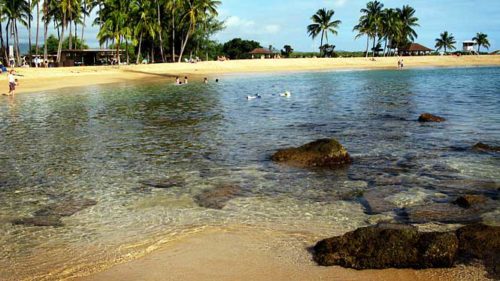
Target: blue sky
(280,22)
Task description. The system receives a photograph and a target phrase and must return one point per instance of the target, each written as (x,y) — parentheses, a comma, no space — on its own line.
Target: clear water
(100,142)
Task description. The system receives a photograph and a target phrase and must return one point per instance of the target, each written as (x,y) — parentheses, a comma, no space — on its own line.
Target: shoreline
(35,80)
(256,254)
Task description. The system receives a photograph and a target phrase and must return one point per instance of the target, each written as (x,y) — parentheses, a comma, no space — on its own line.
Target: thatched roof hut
(261,51)
(416,49)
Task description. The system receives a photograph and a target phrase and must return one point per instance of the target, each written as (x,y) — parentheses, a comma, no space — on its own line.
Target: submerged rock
(51,214)
(321,153)
(388,246)
(54,221)
(65,208)
(484,147)
(218,197)
(165,183)
(427,117)
(467,201)
(443,212)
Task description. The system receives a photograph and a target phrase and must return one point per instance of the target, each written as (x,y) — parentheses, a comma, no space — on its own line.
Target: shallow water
(101,142)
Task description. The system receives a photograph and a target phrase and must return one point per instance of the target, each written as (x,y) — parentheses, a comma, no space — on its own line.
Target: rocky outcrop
(482,242)
(51,214)
(427,117)
(402,246)
(388,246)
(321,153)
(485,148)
(218,197)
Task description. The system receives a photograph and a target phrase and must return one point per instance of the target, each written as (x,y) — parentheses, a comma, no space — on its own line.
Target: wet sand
(257,255)
(34,80)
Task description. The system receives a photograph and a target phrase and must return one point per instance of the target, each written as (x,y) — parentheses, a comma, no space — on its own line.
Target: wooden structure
(89,57)
(415,49)
(468,46)
(262,52)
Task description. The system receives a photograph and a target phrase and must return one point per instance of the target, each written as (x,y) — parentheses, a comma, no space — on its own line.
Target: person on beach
(12,82)
(402,64)
(399,64)
(185,80)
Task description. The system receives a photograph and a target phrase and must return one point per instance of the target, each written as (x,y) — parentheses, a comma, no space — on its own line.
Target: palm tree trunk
(29,29)
(59,48)
(70,39)
(2,45)
(139,51)
(321,43)
(159,26)
(18,51)
(183,47)
(45,51)
(373,49)
(84,18)
(37,26)
(173,35)
(385,47)
(7,39)
(118,50)
(367,45)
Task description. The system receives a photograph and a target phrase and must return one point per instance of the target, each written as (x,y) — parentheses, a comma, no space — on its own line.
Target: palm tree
(408,22)
(391,27)
(446,41)
(115,25)
(481,40)
(323,23)
(144,23)
(373,15)
(198,11)
(16,11)
(363,29)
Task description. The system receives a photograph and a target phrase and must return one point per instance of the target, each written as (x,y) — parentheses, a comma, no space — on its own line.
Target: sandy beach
(33,80)
(250,254)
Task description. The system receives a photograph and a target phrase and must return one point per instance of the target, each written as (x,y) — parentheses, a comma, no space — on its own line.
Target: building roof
(96,50)
(415,47)
(261,51)
(469,42)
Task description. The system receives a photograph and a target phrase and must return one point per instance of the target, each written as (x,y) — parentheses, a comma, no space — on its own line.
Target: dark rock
(321,153)
(40,221)
(427,117)
(165,183)
(388,246)
(66,208)
(466,201)
(481,241)
(484,147)
(218,197)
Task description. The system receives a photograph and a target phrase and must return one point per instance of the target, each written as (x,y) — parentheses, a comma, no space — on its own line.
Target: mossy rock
(427,117)
(321,153)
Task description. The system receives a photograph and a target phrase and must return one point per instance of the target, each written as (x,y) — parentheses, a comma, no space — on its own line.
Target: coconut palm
(143,13)
(481,40)
(363,29)
(373,17)
(445,41)
(16,11)
(408,22)
(391,27)
(323,24)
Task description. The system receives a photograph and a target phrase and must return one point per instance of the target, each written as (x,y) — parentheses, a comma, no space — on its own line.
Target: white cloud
(272,28)
(339,3)
(237,22)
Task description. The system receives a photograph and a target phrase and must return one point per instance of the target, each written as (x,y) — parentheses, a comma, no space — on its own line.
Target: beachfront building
(262,53)
(89,57)
(415,49)
(468,46)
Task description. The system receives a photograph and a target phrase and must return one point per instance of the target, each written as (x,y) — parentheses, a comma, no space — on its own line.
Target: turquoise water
(101,142)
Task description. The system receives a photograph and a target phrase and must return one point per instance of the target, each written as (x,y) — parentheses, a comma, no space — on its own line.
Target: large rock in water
(484,147)
(321,153)
(427,117)
(388,246)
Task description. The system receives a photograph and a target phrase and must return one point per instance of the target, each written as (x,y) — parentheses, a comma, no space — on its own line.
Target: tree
(363,28)
(238,48)
(408,22)
(481,40)
(323,23)
(287,51)
(373,18)
(446,41)
(16,11)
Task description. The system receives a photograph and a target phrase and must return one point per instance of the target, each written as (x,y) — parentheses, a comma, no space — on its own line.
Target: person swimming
(205,80)
(177,80)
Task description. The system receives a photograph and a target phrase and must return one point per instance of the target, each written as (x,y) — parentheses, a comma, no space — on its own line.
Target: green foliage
(481,40)
(53,42)
(287,51)
(238,48)
(323,24)
(328,50)
(446,41)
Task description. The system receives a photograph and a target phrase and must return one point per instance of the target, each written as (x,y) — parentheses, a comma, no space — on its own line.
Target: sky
(284,22)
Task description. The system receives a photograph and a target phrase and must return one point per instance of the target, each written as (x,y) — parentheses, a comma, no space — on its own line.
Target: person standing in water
(205,80)
(12,82)
(185,80)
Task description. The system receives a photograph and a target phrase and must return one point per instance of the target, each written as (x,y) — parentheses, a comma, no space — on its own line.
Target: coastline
(33,80)
(250,254)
